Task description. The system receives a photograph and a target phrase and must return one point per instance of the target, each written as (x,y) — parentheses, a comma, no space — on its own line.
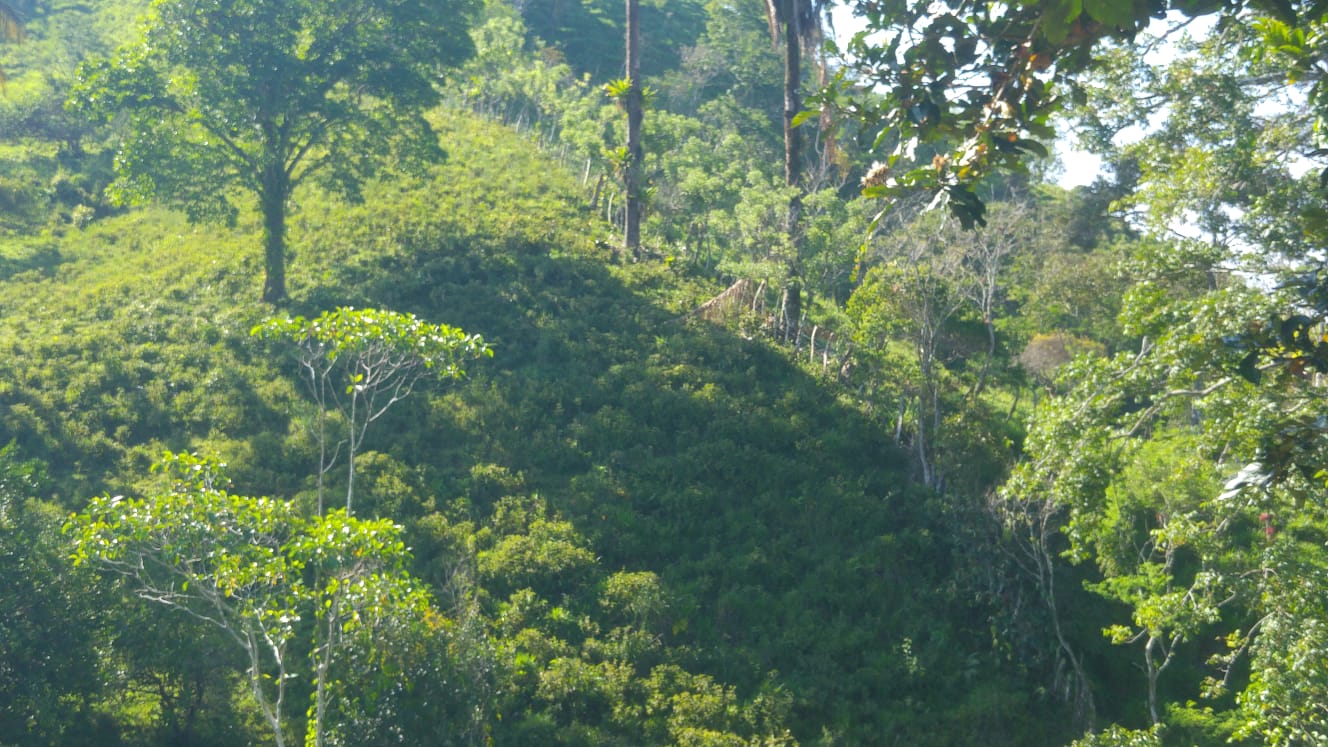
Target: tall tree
(914,295)
(635,105)
(261,95)
(798,23)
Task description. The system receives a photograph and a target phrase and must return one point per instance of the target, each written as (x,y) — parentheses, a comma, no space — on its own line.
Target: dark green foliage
(50,673)
(260,97)
(713,526)
(589,33)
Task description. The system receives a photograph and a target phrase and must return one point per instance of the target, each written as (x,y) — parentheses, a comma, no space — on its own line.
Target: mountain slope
(794,556)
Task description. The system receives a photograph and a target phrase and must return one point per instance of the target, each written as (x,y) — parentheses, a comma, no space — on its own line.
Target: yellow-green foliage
(722,547)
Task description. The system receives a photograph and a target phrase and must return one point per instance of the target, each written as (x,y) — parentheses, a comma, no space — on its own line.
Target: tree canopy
(1054,477)
(261,95)
(954,92)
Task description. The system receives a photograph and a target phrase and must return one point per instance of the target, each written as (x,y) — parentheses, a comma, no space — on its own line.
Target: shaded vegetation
(855,478)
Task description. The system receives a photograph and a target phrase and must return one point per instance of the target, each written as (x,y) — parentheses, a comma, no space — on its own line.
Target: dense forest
(662,372)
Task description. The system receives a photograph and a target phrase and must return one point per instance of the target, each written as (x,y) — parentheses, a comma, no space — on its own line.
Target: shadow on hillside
(42,259)
(682,448)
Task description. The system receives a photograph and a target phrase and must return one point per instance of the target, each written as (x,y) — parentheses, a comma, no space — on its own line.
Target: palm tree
(635,156)
(798,23)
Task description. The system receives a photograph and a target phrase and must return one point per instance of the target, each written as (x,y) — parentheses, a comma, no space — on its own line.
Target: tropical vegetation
(760,384)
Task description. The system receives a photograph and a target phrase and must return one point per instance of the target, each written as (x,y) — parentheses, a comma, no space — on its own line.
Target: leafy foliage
(259,96)
(49,668)
(634,424)
(254,569)
(955,94)
(644,523)
(363,362)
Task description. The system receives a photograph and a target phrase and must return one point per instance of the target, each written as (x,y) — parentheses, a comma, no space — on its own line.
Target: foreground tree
(956,93)
(254,569)
(261,95)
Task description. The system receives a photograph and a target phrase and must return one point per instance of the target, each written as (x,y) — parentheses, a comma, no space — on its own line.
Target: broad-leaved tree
(257,96)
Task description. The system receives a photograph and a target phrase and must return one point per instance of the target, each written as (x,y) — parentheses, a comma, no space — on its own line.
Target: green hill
(654,517)
(797,564)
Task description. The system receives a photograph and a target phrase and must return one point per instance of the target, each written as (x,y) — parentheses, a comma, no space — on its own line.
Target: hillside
(780,522)
(878,437)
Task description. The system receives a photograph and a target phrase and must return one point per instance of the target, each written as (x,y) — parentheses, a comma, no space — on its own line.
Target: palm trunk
(792,105)
(792,161)
(635,114)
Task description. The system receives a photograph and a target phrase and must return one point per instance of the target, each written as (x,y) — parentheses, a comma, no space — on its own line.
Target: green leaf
(803,116)
(1111,12)
(1032,146)
(1057,17)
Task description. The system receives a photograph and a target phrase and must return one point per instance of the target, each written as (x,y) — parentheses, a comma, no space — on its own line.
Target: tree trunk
(790,308)
(353,447)
(272,198)
(635,113)
(792,105)
(1153,670)
(981,384)
(792,160)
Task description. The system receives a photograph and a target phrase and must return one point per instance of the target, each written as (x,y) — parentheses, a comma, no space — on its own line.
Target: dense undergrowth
(776,478)
(612,443)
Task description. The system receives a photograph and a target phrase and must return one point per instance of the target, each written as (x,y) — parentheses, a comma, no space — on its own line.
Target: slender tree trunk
(1153,670)
(321,387)
(981,384)
(792,105)
(899,421)
(920,449)
(272,198)
(791,305)
(929,403)
(353,447)
(635,114)
(270,709)
(1037,559)
(324,651)
(594,198)
(792,161)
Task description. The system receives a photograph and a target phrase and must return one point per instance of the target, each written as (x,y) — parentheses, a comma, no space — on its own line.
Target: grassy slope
(778,516)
